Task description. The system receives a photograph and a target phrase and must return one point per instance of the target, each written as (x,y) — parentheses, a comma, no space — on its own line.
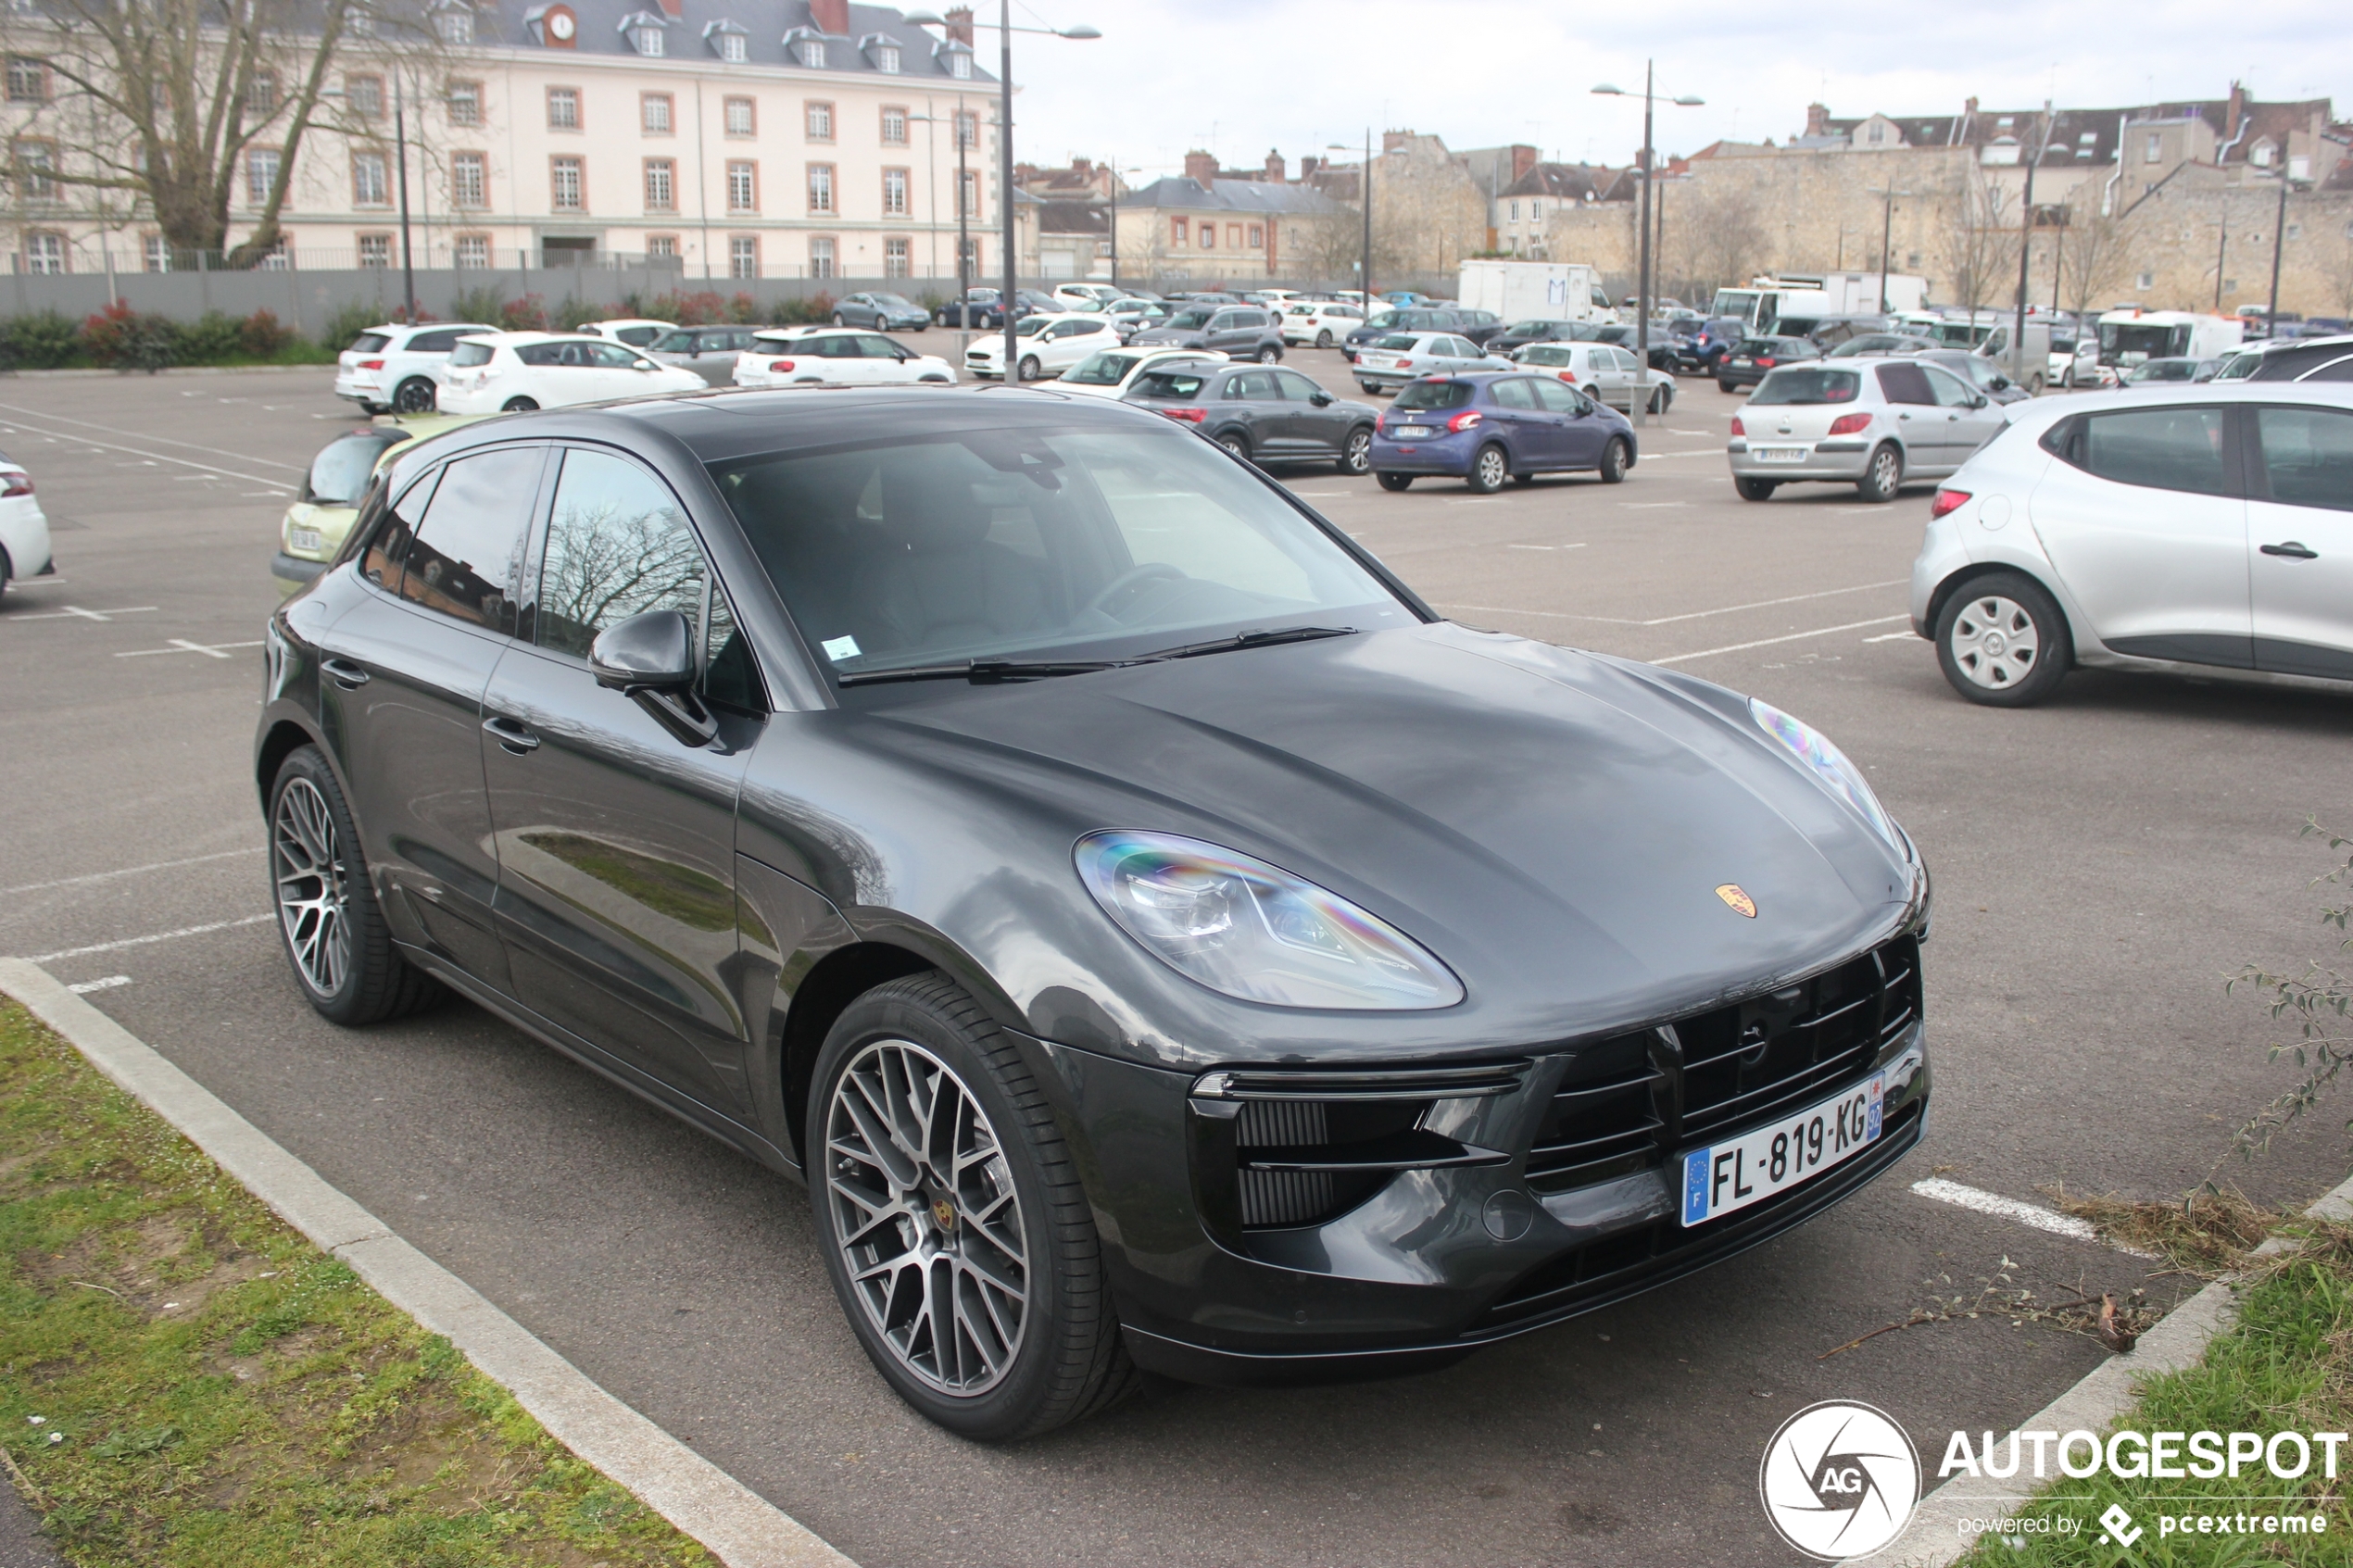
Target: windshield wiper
(978,670)
(1248,640)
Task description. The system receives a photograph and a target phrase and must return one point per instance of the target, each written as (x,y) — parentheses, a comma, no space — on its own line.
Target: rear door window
(1906,383)
(1253,386)
(2307,457)
(1516,392)
(2176,448)
(468,554)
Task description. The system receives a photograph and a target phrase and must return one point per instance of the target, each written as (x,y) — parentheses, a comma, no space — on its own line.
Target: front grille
(1630,1101)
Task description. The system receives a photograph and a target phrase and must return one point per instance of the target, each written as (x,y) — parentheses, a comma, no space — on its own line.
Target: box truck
(1819,293)
(1535,291)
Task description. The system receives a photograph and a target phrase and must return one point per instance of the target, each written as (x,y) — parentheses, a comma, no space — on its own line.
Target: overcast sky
(1239,76)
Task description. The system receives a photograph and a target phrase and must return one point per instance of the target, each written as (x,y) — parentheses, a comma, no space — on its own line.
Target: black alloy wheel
(518,405)
(328,920)
(414,395)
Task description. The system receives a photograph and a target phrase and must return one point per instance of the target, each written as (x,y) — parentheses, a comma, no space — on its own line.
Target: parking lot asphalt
(2101,864)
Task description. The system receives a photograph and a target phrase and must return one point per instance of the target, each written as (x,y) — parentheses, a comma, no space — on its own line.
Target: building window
(365,94)
(1176,232)
(896,262)
(469,180)
(263,99)
(1257,236)
(743,185)
(960,66)
(740,120)
(375,250)
(1535,210)
(456,25)
(894,126)
(2154,151)
(662,195)
(743,255)
(1877,134)
(28,80)
(967,129)
(563,108)
(665,245)
(1514,211)
(2296,231)
(820,185)
(813,54)
(369,184)
(894,193)
(2144,280)
(565,183)
(646,41)
(733,48)
(45,253)
(262,172)
(653,109)
(1208,236)
(886,60)
(821,122)
(156,252)
(821,256)
(968,194)
(2261,155)
(465,103)
(473,250)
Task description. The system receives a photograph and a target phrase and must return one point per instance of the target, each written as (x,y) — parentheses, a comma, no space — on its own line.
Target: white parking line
(2033,1214)
(1694,615)
(127,870)
(1650,505)
(76,611)
(1891,637)
(148,941)
(109,983)
(149,458)
(1768,642)
(181,645)
(163,440)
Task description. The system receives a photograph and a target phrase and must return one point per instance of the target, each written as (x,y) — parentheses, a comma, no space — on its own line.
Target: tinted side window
(434,343)
(1904,383)
(1256,386)
(2162,448)
(468,552)
(1948,390)
(540,353)
(618,545)
(1296,388)
(2337,369)
(1558,396)
(1517,393)
(2307,456)
(380,562)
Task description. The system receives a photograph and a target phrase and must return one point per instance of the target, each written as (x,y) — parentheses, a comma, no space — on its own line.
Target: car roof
(633,321)
(390,327)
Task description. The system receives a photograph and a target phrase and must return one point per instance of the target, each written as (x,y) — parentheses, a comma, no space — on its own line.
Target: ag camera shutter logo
(1839,1480)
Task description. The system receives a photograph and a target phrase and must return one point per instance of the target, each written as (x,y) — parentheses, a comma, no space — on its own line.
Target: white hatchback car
(1112,372)
(1320,323)
(506,373)
(24,528)
(1049,345)
(835,356)
(393,367)
(2202,528)
(637,331)
(1387,363)
(1609,373)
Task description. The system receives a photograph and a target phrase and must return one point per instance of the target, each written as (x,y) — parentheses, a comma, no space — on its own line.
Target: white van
(2128,337)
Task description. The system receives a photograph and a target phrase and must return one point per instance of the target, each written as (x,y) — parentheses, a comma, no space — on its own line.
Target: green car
(314,527)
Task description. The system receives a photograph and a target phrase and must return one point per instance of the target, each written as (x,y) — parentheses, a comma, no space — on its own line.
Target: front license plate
(1780,1154)
(1411,432)
(304,539)
(1778,454)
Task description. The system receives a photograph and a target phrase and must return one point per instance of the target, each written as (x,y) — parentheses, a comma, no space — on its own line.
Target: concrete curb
(174,370)
(740,1527)
(2178,1342)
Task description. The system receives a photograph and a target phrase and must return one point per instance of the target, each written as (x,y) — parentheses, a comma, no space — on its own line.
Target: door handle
(2293,550)
(344,674)
(1903,416)
(511,733)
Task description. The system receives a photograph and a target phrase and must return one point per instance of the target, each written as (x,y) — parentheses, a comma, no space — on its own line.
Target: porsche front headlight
(1254,931)
(1828,764)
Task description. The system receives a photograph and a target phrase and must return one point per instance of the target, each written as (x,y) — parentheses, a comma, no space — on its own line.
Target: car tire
(1723,386)
(837,320)
(1322,340)
(934,381)
(1490,466)
(1755,489)
(1234,441)
(372,409)
(2035,386)
(1269,354)
(328,923)
(414,395)
(1615,461)
(1064,1358)
(1028,367)
(6,570)
(2002,641)
(1884,477)
(1396,481)
(518,405)
(1368,388)
(1659,400)
(1356,452)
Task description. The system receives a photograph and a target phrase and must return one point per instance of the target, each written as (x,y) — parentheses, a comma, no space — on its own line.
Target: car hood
(1553,824)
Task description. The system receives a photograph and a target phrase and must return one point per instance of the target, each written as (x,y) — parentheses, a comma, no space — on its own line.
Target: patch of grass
(2287,1366)
(2207,1236)
(185,1380)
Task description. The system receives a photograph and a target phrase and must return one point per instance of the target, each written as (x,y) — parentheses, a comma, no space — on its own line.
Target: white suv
(835,356)
(395,368)
(2205,528)
(1049,345)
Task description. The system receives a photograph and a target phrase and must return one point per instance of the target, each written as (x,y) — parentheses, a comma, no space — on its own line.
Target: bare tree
(1715,239)
(166,99)
(2092,249)
(1977,246)
(1330,246)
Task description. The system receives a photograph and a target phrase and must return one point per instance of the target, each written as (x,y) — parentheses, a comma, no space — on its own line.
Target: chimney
(673,9)
(1817,119)
(829,17)
(1307,167)
(2237,108)
(959,25)
(1201,168)
(1276,171)
(1523,161)
(1392,140)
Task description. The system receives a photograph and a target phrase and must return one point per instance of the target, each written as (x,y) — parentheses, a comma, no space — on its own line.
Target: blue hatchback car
(1486,426)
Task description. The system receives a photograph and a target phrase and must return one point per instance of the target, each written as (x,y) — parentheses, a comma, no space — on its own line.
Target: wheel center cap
(943,1213)
(1995,642)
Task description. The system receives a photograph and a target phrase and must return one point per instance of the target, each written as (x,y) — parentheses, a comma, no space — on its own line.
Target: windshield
(1027,543)
(1547,353)
(1806,386)
(1534,329)
(1030,326)
(339,473)
(1434,394)
(680,342)
(1397,343)
(1190,319)
(2240,366)
(1101,369)
(636,337)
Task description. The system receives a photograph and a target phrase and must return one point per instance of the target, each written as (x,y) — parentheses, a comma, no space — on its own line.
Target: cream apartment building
(806,139)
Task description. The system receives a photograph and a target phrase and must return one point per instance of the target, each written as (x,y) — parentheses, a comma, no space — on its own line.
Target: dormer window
(728,41)
(646,33)
(646,40)
(960,66)
(886,60)
(454,23)
(811,52)
(2261,154)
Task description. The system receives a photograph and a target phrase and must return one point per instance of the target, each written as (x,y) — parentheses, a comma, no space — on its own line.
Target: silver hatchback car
(1877,424)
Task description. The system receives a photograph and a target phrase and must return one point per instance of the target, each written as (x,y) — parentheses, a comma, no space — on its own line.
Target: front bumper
(1490,1217)
(293,573)
(1840,460)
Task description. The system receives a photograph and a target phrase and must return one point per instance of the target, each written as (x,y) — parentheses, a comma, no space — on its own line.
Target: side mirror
(1322,400)
(645,365)
(1977,400)
(653,652)
(2001,383)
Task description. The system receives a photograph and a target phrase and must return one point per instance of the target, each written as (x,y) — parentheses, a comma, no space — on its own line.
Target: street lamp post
(2025,251)
(1886,237)
(2279,239)
(1115,172)
(1364,267)
(400,156)
(1642,266)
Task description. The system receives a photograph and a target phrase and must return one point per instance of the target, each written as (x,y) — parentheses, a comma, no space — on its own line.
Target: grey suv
(1266,415)
(1239,331)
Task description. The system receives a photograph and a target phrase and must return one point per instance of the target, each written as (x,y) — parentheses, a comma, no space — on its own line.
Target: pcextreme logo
(1840,1480)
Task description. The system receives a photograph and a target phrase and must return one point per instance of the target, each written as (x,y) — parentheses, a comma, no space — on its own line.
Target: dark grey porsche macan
(1157,938)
